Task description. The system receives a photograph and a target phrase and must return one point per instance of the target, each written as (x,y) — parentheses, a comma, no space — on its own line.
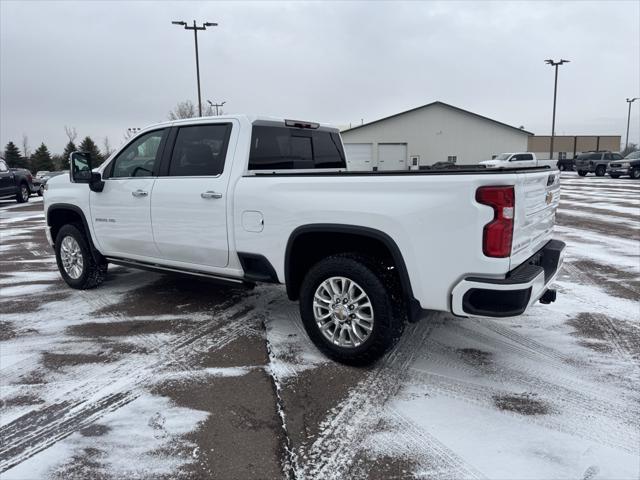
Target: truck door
(523,160)
(189,200)
(121,213)
(7,186)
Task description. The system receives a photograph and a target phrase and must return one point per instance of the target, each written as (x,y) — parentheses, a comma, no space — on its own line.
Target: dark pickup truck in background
(16,183)
(595,162)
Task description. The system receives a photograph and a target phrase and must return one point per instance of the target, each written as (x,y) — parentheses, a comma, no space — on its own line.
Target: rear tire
(41,191)
(75,260)
(600,171)
(582,173)
(358,346)
(23,193)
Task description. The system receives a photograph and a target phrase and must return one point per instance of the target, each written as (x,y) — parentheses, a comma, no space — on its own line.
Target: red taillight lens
(498,234)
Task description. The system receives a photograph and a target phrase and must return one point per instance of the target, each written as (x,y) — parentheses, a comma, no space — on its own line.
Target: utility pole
(216,105)
(629,101)
(555,92)
(195,29)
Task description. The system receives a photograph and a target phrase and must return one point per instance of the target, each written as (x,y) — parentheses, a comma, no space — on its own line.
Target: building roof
(442,104)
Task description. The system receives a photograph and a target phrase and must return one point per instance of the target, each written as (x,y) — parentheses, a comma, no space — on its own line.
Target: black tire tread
(95,271)
(390,319)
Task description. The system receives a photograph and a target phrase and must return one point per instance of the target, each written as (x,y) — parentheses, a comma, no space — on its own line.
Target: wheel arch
(320,233)
(60,214)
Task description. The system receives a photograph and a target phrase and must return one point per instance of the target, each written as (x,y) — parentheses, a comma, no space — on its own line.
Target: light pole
(629,101)
(195,29)
(216,105)
(555,92)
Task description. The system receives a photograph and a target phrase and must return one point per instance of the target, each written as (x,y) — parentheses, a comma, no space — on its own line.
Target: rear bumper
(512,295)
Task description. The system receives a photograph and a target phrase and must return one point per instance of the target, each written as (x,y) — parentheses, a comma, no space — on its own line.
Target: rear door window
(282,148)
(200,150)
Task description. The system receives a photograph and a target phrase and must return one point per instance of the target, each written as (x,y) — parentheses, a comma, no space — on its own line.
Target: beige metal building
(436,132)
(568,146)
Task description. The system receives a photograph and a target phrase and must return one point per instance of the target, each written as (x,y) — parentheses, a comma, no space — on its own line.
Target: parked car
(35,185)
(245,199)
(595,162)
(519,159)
(629,166)
(566,164)
(41,173)
(15,183)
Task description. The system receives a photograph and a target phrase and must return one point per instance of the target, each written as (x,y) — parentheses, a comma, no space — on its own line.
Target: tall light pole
(555,92)
(629,101)
(195,29)
(216,105)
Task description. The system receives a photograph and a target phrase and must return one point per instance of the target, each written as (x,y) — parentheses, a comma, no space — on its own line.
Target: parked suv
(629,166)
(15,182)
(595,162)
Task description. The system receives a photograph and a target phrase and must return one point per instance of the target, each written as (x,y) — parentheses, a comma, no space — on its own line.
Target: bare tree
(107,147)
(25,146)
(71,133)
(184,109)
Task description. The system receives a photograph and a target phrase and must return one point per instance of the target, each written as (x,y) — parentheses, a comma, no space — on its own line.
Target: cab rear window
(282,148)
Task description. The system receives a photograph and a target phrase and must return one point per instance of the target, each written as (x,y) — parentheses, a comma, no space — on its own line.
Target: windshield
(503,156)
(633,155)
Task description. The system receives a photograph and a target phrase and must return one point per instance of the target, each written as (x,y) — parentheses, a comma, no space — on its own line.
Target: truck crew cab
(247,199)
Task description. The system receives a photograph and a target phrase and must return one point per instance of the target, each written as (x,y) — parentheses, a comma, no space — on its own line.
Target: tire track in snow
(108,391)
(341,435)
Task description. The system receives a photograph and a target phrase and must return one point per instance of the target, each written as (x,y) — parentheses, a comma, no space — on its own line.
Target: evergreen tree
(41,159)
(90,147)
(68,150)
(13,157)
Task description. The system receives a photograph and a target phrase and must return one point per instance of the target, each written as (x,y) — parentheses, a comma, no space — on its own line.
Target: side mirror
(81,171)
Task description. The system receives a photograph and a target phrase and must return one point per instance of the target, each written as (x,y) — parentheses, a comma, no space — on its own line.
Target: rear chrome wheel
(343,312)
(71,257)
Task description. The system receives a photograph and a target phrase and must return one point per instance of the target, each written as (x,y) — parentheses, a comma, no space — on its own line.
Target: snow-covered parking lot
(153,376)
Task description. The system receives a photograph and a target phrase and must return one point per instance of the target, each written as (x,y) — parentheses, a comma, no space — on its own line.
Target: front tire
(562,168)
(582,173)
(600,171)
(23,193)
(348,310)
(635,173)
(41,191)
(75,261)
(614,175)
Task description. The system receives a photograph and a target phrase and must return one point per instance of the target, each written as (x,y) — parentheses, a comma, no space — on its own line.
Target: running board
(154,267)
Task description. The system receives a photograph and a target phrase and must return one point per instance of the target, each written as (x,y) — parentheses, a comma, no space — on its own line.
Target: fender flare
(372,233)
(74,208)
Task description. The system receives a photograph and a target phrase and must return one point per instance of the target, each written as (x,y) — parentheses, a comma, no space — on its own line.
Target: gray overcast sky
(105,66)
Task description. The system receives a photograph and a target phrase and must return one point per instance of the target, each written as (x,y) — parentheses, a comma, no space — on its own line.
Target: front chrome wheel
(71,256)
(343,312)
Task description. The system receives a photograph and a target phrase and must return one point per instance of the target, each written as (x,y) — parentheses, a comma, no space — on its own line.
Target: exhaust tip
(549,296)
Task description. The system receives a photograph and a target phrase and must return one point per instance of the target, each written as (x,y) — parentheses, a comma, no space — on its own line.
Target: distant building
(436,132)
(568,146)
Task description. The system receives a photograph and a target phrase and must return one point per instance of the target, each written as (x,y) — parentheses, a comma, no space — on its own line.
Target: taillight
(498,233)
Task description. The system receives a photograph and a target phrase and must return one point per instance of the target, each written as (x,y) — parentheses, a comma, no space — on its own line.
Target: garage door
(359,156)
(392,156)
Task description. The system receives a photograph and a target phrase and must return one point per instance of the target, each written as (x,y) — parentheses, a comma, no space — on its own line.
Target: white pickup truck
(249,199)
(518,160)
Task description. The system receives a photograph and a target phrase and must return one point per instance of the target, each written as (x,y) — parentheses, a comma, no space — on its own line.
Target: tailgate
(537,198)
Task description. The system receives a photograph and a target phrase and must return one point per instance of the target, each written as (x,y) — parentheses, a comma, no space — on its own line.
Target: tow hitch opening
(548,296)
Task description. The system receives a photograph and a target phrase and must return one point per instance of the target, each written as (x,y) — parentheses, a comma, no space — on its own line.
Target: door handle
(210,194)
(139,193)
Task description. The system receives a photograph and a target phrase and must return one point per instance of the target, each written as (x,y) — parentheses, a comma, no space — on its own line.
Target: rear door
(537,198)
(189,199)
(522,160)
(7,186)
(121,213)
